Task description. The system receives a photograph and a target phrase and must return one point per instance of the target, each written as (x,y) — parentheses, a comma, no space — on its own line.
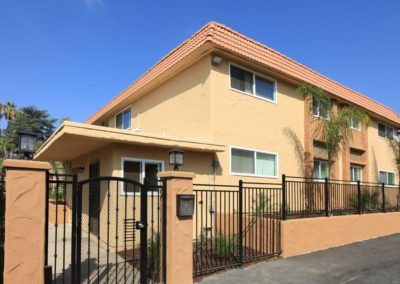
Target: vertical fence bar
(143,236)
(73,232)
(240,222)
(359,197)
(383,197)
(284,197)
(79,233)
(326,189)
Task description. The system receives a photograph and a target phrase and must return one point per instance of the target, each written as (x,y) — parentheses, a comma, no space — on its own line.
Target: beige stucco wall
(179,107)
(110,158)
(302,236)
(380,155)
(249,122)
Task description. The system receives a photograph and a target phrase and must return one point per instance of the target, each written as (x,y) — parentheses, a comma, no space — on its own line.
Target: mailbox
(185,205)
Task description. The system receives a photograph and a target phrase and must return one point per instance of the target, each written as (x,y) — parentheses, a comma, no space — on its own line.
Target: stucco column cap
(24,164)
(175,174)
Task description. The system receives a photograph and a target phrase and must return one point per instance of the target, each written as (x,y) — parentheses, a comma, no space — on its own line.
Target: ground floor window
(356,173)
(388,178)
(142,171)
(253,163)
(321,169)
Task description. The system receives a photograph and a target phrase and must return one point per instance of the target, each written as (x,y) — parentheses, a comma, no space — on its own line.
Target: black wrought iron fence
(309,197)
(2,222)
(58,227)
(235,224)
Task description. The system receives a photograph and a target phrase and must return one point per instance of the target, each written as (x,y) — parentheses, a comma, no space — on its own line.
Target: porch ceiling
(73,140)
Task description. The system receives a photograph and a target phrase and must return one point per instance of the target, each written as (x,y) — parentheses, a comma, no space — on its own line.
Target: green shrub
(368,200)
(153,250)
(225,246)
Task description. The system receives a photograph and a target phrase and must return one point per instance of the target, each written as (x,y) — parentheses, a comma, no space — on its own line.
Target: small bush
(225,246)
(368,200)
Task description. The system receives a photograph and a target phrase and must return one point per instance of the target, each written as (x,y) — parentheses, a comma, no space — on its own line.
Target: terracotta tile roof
(229,40)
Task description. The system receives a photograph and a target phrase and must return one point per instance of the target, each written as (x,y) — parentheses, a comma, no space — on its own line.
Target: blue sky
(73,56)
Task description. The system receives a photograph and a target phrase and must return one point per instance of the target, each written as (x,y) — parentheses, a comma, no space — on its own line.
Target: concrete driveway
(373,261)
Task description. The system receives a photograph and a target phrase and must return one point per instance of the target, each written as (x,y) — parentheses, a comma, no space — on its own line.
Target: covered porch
(124,153)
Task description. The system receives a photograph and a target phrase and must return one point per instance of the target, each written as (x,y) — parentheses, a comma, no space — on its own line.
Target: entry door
(94,200)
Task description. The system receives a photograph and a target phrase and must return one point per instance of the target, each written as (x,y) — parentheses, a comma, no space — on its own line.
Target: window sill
(251,175)
(255,96)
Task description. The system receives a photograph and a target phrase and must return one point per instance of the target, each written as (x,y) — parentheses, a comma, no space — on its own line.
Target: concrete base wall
(303,236)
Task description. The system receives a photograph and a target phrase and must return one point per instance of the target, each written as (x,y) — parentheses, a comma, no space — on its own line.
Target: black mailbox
(185,205)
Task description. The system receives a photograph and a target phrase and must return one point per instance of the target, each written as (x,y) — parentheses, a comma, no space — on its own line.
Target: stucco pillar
(25,221)
(179,235)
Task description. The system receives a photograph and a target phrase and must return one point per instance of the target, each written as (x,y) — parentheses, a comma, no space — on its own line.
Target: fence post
(327,198)
(359,197)
(240,225)
(383,197)
(24,248)
(284,216)
(179,230)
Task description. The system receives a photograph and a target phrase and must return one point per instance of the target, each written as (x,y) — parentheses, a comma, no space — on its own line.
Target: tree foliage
(335,131)
(39,121)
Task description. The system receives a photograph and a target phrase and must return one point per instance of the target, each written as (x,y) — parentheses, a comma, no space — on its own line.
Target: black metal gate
(235,224)
(115,232)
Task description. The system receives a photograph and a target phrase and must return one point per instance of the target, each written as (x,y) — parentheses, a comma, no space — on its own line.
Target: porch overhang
(72,140)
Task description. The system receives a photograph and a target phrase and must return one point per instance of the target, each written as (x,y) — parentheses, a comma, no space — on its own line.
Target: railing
(309,197)
(235,224)
(58,226)
(2,223)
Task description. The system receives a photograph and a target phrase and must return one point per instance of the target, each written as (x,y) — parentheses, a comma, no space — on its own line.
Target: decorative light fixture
(216,60)
(185,205)
(27,142)
(176,158)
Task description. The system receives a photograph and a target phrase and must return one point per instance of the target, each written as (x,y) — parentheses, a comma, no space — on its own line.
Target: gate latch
(140,225)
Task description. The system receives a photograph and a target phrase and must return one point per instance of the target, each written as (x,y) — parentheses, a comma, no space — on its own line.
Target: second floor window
(252,84)
(355,124)
(123,119)
(321,169)
(320,109)
(385,131)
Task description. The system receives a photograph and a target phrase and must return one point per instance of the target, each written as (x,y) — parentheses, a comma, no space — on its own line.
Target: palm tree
(335,131)
(9,111)
(395,146)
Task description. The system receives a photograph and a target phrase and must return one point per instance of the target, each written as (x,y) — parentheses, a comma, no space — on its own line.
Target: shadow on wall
(374,166)
(298,148)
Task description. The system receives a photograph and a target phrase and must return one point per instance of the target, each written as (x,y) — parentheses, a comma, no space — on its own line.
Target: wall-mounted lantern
(185,205)
(176,158)
(27,142)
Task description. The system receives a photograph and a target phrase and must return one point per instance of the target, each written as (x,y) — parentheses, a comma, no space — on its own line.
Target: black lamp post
(27,142)
(176,158)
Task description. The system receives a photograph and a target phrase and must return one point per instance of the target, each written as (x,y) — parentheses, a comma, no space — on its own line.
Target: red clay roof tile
(227,39)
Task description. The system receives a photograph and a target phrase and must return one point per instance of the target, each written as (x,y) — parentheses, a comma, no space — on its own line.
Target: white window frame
(143,163)
(115,118)
(253,94)
(386,127)
(361,172)
(319,111)
(355,128)
(255,151)
(319,169)
(386,184)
